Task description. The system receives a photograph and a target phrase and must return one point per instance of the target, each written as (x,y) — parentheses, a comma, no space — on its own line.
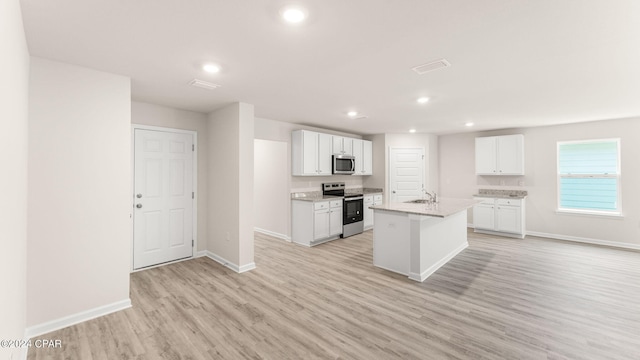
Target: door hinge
(422,157)
(192,243)
(193,147)
(193,195)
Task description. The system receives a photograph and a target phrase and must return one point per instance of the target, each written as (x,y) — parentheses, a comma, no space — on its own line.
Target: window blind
(589,175)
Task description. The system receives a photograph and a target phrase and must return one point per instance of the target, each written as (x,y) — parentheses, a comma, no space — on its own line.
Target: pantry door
(406,174)
(163,197)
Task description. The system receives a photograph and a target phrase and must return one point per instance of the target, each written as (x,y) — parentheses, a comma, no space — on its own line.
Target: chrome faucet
(433,198)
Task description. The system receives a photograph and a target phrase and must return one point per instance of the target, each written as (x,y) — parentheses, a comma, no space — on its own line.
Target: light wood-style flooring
(501,298)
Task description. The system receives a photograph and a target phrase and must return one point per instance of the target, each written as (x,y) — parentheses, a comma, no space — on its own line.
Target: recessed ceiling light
(468,124)
(352,114)
(423,100)
(211,68)
(412,131)
(293,15)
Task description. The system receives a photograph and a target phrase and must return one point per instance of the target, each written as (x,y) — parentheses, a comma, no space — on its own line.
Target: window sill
(600,214)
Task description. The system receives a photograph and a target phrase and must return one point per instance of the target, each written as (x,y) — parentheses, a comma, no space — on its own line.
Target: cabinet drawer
(336,203)
(511,202)
(486,201)
(377,198)
(321,205)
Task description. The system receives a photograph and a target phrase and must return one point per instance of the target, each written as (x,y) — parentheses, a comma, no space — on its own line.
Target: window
(589,176)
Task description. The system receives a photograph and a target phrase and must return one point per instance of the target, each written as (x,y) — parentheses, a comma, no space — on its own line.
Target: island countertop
(444,208)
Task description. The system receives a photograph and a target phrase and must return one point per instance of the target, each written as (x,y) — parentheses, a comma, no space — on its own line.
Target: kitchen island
(416,239)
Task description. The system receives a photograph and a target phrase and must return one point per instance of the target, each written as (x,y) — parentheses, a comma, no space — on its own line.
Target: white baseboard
(425,274)
(500,233)
(615,244)
(226,263)
(272,233)
(247,267)
(584,240)
(58,324)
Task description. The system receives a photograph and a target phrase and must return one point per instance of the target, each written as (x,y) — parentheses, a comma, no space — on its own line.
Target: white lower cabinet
(313,223)
(370,200)
(500,216)
(321,224)
(335,219)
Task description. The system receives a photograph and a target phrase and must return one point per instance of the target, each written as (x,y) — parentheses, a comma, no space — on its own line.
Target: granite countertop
(313,196)
(446,207)
(317,195)
(503,194)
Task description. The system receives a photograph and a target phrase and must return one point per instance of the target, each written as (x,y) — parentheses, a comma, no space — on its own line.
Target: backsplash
(312,183)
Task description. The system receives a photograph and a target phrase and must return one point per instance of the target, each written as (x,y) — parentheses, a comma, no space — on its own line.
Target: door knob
(139,196)
(394,191)
(139,206)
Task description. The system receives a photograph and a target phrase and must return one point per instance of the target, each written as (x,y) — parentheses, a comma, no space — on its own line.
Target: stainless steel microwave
(344,164)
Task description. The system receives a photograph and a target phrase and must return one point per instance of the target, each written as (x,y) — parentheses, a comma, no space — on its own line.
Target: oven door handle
(353,198)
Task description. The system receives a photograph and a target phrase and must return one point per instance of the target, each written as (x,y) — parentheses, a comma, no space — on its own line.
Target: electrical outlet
(521,183)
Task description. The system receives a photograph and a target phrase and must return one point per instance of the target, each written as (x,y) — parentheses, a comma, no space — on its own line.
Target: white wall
(271,187)
(79,207)
(458,179)
(14,72)
(230,138)
(157,115)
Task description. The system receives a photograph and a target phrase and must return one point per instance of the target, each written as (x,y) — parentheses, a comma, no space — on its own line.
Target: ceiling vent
(434,65)
(204,84)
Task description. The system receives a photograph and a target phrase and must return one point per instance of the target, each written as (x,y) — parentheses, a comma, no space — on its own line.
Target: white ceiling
(514,63)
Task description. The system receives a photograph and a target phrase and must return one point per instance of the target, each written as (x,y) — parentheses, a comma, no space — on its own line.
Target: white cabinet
(500,216)
(342,145)
(363,152)
(311,153)
(313,223)
(321,225)
(335,218)
(370,200)
(500,155)
(508,217)
(484,216)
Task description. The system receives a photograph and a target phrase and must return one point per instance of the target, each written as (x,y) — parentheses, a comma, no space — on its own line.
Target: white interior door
(163,197)
(406,174)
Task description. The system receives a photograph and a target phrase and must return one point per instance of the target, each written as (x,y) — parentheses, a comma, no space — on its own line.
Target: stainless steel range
(352,208)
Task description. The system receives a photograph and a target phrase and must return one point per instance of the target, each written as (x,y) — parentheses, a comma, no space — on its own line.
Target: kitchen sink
(419,201)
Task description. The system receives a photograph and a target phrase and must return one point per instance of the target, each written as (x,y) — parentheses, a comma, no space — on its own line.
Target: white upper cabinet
(363,152)
(311,153)
(500,155)
(324,154)
(342,145)
(367,157)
